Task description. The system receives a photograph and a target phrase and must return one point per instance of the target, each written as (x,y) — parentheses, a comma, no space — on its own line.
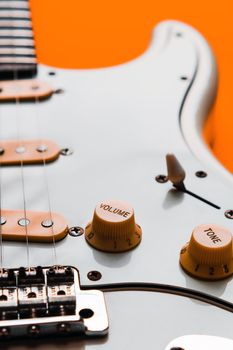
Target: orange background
(90,34)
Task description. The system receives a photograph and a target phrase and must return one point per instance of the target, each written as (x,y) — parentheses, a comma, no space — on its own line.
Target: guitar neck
(17,48)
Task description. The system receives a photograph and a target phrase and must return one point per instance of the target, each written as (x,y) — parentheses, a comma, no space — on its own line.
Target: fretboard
(17,49)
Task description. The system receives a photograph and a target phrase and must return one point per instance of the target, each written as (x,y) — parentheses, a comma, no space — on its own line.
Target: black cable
(163,288)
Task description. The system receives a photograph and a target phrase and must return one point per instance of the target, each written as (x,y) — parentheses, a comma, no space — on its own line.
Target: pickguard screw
(177,348)
(51,73)
(94,275)
(161,179)
(201,174)
(76,231)
(229,213)
(184,78)
(2,151)
(59,91)
(66,151)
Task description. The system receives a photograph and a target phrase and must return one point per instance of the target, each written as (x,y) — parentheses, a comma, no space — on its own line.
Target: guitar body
(120,122)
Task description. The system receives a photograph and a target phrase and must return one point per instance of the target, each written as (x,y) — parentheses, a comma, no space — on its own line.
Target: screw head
(33,329)
(66,152)
(63,327)
(229,214)
(2,151)
(94,275)
(177,348)
(76,231)
(59,91)
(161,178)
(86,313)
(201,174)
(4,332)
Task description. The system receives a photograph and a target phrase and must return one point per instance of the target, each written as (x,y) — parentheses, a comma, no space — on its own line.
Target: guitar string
(20,143)
(39,137)
(1,219)
(21,146)
(23,185)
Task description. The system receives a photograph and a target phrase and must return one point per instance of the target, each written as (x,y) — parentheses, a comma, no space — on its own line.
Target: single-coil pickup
(24,90)
(28,152)
(36,227)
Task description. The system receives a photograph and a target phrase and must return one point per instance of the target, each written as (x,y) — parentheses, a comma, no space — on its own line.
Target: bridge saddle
(41,301)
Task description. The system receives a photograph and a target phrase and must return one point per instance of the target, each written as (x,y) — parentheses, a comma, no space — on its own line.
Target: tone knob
(113,227)
(208,255)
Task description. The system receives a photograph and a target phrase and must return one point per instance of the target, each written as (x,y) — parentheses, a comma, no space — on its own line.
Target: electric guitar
(115,218)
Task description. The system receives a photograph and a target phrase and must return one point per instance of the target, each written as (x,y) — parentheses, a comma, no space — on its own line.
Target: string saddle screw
(33,330)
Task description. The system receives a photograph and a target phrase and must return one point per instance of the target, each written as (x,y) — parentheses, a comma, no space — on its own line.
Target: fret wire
(26,19)
(16,46)
(16,37)
(16,55)
(13,9)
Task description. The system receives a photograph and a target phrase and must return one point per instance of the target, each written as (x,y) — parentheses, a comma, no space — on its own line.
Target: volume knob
(209,254)
(113,227)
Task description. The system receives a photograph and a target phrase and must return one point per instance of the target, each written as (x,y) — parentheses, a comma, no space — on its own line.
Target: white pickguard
(200,342)
(120,122)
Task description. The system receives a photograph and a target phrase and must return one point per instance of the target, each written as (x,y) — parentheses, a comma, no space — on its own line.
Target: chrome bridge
(44,301)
